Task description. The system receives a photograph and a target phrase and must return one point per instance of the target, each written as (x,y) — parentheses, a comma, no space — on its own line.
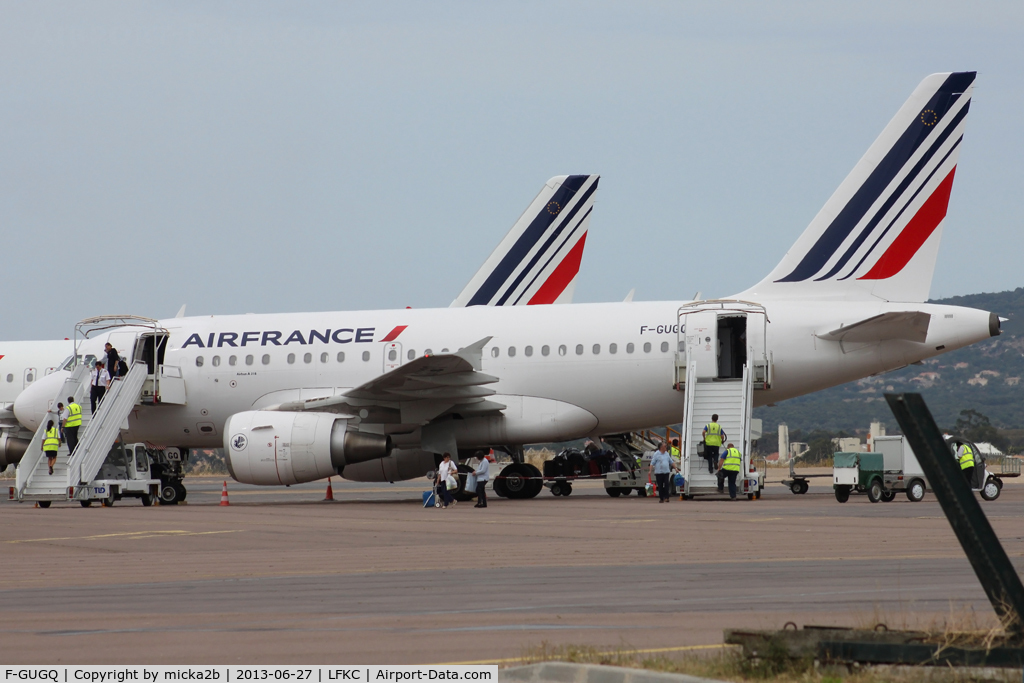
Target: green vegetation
(985,378)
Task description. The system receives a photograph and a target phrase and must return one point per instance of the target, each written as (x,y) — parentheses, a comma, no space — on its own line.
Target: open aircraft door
(721,337)
(166,384)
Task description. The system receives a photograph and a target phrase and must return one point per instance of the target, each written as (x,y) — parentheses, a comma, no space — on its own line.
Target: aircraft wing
(416,392)
(908,325)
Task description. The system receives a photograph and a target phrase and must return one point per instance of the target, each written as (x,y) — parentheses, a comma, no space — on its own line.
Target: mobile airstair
(720,363)
(147,381)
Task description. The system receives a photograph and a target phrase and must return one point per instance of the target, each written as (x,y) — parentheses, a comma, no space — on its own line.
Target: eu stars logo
(554,208)
(929,117)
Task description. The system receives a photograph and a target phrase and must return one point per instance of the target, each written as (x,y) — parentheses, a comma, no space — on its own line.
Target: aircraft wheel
(169,494)
(499,488)
(536,482)
(990,491)
(517,485)
(875,491)
(842,493)
(915,492)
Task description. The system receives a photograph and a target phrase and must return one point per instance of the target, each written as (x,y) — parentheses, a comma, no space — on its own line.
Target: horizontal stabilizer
(906,325)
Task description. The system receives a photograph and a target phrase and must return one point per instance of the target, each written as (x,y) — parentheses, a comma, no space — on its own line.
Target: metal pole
(994,569)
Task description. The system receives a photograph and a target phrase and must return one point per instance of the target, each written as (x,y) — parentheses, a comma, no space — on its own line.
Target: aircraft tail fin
(878,235)
(538,260)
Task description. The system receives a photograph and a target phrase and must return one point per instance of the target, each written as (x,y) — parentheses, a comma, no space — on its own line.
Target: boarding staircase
(732,400)
(95,437)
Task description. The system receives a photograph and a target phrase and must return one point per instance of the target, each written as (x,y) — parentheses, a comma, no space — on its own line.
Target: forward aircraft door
(722,337)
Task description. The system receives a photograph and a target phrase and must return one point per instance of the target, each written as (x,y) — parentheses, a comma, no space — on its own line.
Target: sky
(263,157)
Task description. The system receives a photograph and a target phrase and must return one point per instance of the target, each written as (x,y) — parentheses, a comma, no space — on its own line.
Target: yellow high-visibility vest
(74,415)
(674,451)
(52,441)
(733,460)
(967,459)
(714,434)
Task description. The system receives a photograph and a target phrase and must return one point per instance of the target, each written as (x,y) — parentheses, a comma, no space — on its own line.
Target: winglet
(629,297)
(181,312)
(474,353)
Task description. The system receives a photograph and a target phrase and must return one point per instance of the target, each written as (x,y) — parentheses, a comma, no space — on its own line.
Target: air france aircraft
(510,276)
(375,395)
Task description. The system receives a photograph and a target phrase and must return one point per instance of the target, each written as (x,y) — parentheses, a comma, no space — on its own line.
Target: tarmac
(280,577)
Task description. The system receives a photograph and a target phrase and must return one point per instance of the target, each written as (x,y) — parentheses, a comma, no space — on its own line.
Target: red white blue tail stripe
(538,260)
(886,214)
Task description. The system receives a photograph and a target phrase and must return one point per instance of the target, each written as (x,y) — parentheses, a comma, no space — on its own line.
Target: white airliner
(374,395)
(535,263)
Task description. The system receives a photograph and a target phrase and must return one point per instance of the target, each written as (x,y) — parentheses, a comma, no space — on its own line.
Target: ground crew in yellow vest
(713,438)
(732,463)
(51,442)
(72,423)
(965,454)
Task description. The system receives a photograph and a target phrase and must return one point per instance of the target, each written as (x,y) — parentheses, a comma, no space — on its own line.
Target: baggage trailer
(860,473)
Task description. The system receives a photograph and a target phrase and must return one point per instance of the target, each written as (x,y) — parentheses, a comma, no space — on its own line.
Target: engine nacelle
(401,465)
(271,448)
(11,450)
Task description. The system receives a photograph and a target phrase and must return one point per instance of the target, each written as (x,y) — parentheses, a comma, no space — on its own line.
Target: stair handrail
(87,450)
(34,453)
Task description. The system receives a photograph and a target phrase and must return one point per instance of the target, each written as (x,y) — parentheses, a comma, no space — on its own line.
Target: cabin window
(664,347)
(545,350)
(308,358)
(266,359)
(428,352)
(215,361)
(494,352)
(629,347)
(366,355)
(341,356)
(199,361)
(249,359)
(291,358)
(392,354)
(511,351)
(682,346)
(597,349)
(528,351)
(613,348)
(324,357)
(411,354)
(232,361)
(10,378)
(30,377)
(647,347)
(444,350)
(562,350)
(579,349)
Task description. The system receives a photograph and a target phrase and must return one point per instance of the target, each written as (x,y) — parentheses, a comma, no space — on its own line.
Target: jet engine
(11,450)
(270,448)
(402,464)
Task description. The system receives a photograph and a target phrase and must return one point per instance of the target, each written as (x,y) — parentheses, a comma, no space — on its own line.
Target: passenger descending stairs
(99,431)
(731,399)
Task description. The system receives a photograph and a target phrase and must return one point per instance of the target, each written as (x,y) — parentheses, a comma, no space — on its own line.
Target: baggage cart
(858,473)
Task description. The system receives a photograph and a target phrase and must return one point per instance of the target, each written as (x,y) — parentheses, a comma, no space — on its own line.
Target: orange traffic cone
(224,495)
(330,491)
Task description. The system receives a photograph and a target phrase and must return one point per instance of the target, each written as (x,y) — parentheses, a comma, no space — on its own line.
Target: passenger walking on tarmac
(482,474)
(732,462)
(965,454)
(71,424)
(661,465)
(51,442)
(445,471)
(713,438)
(98,384)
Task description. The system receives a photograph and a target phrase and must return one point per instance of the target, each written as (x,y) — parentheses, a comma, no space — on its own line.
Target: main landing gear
(519,480)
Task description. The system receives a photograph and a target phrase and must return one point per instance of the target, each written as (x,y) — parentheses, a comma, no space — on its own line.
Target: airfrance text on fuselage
(344,335)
